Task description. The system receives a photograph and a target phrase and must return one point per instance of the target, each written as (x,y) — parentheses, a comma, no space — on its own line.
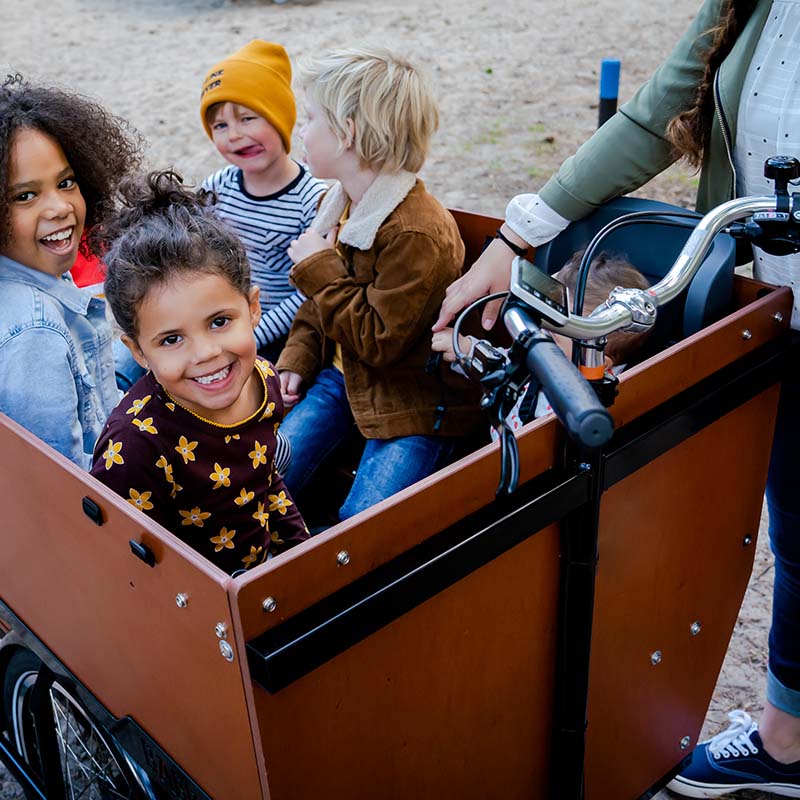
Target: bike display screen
(541,287)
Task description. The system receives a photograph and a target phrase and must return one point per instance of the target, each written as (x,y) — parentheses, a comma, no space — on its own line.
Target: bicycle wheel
(92,766)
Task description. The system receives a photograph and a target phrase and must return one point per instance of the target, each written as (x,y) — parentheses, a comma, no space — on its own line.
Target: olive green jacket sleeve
(631,148)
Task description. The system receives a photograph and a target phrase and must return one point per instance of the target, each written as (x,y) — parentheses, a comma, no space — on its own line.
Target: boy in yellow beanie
(248,110)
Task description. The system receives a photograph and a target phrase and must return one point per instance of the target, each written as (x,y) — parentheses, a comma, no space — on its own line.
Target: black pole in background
(609,89)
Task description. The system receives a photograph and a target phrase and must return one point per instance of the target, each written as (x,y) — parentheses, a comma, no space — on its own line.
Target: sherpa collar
(385,193)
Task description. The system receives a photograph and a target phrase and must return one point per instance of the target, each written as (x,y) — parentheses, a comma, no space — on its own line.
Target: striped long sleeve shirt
(266,226)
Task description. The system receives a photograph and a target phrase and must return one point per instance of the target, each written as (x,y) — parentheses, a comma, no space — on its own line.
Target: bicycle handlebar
(572,399)
(774,221)
(619,313)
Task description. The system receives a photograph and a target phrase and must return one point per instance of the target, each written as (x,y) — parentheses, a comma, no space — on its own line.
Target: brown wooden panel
(671,553)
(113,621)
(469,484)
(384,531)
(748,290)
(664,375)
(452,700)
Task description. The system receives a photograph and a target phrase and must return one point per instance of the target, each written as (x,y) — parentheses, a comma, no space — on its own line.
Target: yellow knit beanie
(258,76)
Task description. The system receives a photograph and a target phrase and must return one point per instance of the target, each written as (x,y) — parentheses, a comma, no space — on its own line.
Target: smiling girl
(193,443)
(61,158)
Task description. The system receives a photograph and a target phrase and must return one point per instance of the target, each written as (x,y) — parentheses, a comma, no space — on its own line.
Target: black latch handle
(143,552)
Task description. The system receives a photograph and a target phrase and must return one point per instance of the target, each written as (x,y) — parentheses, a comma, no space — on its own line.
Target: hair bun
(161,190)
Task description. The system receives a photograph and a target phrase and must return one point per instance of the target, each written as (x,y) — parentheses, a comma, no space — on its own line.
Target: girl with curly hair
(195,442)
(61,158)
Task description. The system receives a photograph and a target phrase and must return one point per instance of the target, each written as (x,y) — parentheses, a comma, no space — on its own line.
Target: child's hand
(290,388)
(442,342)
(309,243)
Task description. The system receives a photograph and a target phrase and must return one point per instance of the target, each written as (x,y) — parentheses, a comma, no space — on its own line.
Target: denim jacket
(56,360)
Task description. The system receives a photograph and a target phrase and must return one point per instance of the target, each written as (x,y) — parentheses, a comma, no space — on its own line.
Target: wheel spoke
(89,767)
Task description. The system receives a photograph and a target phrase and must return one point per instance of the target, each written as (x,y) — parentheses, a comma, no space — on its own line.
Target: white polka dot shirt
(769,124)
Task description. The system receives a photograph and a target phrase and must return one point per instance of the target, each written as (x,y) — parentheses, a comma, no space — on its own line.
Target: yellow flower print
(279,502)
(185,448)
(275,428)
(221,475)
(140,500)
(259,454)
(275,539)
(252,556)
(228,439)
(167,467)
(268,411)
(265,367)
(225,539)
(244,497)
(170,406)
(194,517)
(175,489)
(261,516)
(112,454)
(145,425)
(138,405)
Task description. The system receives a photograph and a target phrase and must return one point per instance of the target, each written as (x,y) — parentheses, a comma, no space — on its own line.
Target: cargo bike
(459,639)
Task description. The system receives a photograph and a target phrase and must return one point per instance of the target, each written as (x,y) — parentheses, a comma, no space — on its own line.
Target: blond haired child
(374,266)
(606,273)
(247,108)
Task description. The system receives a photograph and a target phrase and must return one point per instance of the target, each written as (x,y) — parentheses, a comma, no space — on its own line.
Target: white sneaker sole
(687,788)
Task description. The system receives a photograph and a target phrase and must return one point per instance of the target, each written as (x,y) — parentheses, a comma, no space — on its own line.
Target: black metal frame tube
(20,772)
(579,543)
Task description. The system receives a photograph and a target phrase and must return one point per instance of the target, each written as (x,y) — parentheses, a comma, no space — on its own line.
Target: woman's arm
(621,156)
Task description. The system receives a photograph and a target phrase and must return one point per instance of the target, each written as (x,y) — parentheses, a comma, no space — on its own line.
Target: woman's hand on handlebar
(490,273)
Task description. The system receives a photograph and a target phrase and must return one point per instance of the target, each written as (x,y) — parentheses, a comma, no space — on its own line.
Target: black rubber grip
(571,397)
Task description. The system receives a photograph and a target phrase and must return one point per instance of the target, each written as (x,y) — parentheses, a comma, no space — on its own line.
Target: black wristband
(515,248)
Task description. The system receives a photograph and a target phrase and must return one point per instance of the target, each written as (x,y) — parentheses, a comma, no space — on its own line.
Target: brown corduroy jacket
(401,250)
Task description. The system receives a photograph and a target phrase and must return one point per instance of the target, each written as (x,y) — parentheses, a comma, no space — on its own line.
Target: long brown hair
(689,132)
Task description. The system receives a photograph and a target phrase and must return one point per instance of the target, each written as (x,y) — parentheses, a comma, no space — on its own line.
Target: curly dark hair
(162,230)
(689,132)
(100,147)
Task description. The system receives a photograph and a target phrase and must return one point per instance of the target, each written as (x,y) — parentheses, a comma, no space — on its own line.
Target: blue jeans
(783,500)
(322,421)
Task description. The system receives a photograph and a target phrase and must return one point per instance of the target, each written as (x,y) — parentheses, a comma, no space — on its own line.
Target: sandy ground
(517,82)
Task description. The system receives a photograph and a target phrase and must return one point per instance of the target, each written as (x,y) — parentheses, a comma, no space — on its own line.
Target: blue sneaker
(735,759)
